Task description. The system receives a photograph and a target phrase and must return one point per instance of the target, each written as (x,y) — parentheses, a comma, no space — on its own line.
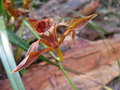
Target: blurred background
(106,26)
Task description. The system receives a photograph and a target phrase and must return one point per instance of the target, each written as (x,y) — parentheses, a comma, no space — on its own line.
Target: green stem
(62,69)
(67,76)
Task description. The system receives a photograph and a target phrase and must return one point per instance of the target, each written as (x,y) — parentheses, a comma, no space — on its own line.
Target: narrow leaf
(8,59)
(17,41)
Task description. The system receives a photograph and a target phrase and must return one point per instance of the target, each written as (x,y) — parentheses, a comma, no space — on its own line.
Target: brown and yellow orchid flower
(11,9)
(46,29)
(15,13)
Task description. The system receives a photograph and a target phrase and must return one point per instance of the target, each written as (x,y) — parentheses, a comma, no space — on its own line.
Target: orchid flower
(46,29)
(16,12)
(12,11)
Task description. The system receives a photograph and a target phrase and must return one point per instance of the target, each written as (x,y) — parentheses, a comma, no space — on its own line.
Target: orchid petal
(44,42)
(55,33)
(30,59)
(33,47)
(33,22)
(81,22)
(77,22)
(41,26)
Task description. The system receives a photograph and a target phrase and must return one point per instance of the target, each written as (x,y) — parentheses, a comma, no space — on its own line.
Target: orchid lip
(44,26)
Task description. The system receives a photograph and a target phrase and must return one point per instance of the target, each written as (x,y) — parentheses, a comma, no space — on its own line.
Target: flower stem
(67,76)
(62,69)
(60,54)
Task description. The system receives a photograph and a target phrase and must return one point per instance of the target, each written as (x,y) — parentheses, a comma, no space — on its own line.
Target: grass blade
(6,67)
(19,51)
(17,41)
(8,59)
(2,10)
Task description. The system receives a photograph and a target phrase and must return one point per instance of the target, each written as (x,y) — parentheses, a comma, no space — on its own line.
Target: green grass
(8,59)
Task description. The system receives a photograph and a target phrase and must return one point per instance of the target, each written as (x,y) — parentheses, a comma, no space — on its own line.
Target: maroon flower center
(44,26)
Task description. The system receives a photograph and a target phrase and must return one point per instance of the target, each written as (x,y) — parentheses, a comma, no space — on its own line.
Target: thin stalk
(66,68)
(21,29)
(19,51)
(67,76)
(62,69)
